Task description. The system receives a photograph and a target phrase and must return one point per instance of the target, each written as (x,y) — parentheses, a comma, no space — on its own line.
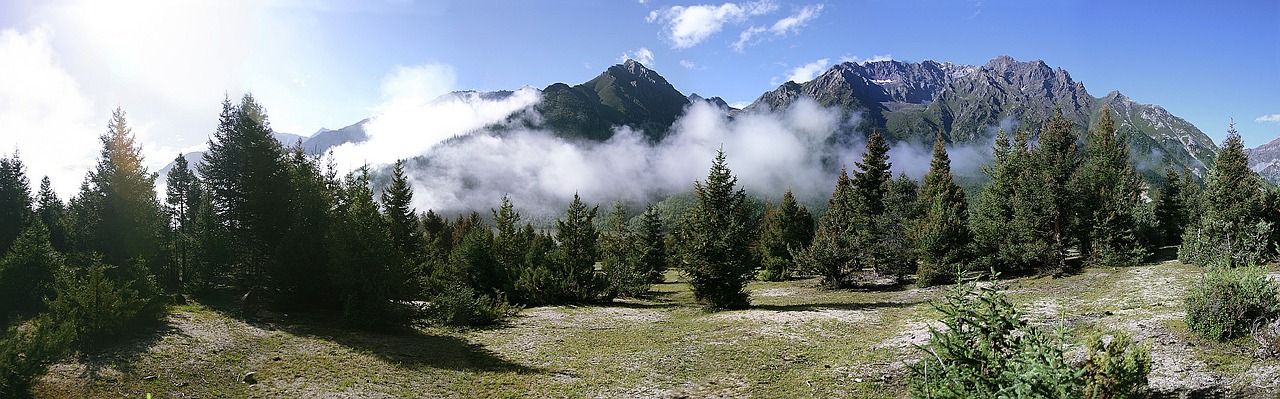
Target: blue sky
(320,63)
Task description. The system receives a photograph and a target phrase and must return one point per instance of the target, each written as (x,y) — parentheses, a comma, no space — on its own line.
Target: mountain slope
(628,94)
(909,101)
(1265,160)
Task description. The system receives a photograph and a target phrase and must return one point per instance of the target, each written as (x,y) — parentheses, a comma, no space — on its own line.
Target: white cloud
(783,27)
(43,113)
(803,73)
(686,26)
(414,117)
(691,65)
(643,55)
(859,60)
(1273,118)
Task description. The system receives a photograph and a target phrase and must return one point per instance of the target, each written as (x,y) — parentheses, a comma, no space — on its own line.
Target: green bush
(1218,242)
(1115,368)
(460,305)
(988,350)
(1229,301)
(25,354)
(98,303)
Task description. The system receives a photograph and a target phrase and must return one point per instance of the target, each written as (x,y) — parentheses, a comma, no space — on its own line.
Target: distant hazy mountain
(1265,159)
(909,101)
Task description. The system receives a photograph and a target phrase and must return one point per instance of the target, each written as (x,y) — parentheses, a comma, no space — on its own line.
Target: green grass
(796,341)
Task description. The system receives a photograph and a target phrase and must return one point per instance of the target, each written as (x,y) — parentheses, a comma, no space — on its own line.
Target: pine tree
(831,253)
(509,250)
(714,240)
(652,245)
(15,200)
(397,202)
(897,259)
(787,229)
(1107,190)
(1231,229)
(870,184)
(53,213)
(247,181)
(182,197)
(941,236)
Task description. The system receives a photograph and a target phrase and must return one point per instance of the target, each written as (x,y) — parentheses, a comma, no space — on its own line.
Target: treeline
(282,230)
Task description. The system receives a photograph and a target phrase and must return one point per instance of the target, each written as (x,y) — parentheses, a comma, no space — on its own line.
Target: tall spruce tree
(577,252)
(787,228)
(26,273)
(652,244)
(897,259)
(301,273)
(182,197)
(1005,232)
(871,182)
(1231,229)
(366,265)
(509,247)
(397,202)
(248,184)
(1048,197)
(714,240)
(941,236)
(15,200)
(1107,190)
(831,253)
(1171,210)
(117,213)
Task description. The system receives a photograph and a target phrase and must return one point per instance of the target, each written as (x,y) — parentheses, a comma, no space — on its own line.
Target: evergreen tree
(831,253)
(213,250)
(787,229)
(53,213)
(620,257)
(714,240)
(652,245)
(15,201)
(941,236)
(1004,224)
(366,265)
(1231,229)
(509,250)
(897,258)
(127,219)
(247,181)
(871,182)
(577,252)
(397,202)
(182,197)
(301,274)
(1107,190)
(1170,209)
(26,273)
(1047,195)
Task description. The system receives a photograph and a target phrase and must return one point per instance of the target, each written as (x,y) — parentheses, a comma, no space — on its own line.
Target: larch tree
(714,240)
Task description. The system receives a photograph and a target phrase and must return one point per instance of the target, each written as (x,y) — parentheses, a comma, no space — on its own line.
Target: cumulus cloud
(44,116)
(1273,118)
(788,25)
(643,55)
(686,26)
(414,116)
(803,73)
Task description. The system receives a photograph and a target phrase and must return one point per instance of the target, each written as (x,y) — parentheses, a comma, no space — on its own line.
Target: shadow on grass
(406,346)
(121,352)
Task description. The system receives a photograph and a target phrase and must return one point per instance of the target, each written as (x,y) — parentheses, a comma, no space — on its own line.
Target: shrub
(98,305)
(988,350)
(25,354)
(1216,242)
(460,305)
(1229,301)
(1115,368)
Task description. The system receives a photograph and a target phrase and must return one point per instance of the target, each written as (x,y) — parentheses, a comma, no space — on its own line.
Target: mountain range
(906,101)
